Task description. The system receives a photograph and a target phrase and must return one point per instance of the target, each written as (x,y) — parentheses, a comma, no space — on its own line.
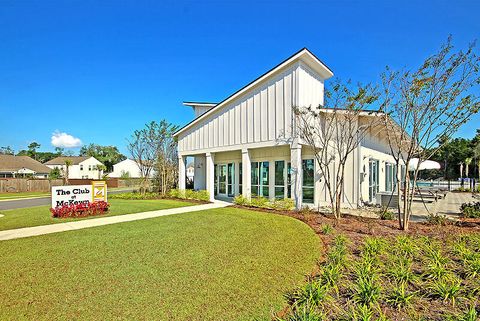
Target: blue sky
(97,70)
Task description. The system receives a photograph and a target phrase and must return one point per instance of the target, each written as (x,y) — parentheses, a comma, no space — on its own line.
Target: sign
(99,191)
(79,194)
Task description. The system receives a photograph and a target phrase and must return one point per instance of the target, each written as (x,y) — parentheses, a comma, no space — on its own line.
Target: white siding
(262,115)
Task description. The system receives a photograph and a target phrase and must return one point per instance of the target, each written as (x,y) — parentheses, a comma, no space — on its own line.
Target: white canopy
(426,164)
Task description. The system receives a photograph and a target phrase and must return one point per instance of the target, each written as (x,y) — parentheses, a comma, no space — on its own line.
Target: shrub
(400,297)
(134,196)
(470,210)
(386,214)
(436,219)
(240,200)
(80,210)
(286,204)
(190,194)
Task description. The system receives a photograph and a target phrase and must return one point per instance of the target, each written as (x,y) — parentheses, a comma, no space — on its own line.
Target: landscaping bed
(371,270)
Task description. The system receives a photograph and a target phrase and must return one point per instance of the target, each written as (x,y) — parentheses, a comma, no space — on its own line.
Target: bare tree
(154,148)
(334,130)
(425,106)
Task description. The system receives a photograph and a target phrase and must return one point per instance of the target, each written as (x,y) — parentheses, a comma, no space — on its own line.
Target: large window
(390,177)
(240,179)
(215,173)
(260,179)
(231,179)
(373,166)
(279,179)
(222,179)
(308,182)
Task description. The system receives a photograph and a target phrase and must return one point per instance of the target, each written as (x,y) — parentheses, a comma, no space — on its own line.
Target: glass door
(372,179)
(222,179)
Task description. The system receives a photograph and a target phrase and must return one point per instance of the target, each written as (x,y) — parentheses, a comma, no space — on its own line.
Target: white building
(81,166)
(244,144)
(128,166)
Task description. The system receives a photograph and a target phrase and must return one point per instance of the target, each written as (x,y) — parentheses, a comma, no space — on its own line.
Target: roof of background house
(61,160)
(10,163)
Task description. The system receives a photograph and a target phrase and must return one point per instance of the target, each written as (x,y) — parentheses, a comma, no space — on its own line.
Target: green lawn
(222,264)
(41,215)
(9,196)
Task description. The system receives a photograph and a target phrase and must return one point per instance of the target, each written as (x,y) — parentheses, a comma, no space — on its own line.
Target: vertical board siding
(263,114)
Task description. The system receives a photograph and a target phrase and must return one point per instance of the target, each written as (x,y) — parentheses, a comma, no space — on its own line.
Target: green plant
(134,196)
(472,267)
(366,289)
(401,271)
(470,210)
(241,200)
(470,315)
(312,294)
(399,297)
(201,195)
(285,204)
(386,214)
(304,314)
(326,229)
(260,201)
(446,289)
(437,219)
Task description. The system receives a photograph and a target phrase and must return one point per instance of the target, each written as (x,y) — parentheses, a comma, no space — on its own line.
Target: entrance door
(222,179)
(226,179)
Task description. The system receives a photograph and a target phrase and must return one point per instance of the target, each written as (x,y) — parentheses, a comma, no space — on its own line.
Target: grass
(13,196)
(221,264)
(40,215)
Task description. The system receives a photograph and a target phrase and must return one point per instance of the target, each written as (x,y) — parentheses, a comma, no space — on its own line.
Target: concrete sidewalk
(71,226)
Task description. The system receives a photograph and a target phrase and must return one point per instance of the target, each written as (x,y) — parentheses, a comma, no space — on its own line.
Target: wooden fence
(16,185)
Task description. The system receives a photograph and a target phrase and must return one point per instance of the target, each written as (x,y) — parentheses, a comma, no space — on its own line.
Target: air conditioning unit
(387,199)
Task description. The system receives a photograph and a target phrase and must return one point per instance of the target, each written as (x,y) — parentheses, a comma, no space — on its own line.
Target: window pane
(308,172)
(254,190)
(307,195)
(264,173)
(279,169)
(255,173)
(265,191)
(279,192)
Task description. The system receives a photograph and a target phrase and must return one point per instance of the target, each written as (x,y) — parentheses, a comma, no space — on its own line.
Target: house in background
(246,144)
(22,166)
(82,166)
(128,166)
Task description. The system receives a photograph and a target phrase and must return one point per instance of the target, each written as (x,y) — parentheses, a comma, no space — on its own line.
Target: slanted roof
(10,163)
(304,54)
(61,160)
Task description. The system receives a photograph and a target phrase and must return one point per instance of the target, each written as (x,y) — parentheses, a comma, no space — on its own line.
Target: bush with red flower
(80,210)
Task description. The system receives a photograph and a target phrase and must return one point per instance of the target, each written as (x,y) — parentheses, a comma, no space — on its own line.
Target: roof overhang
(303,55)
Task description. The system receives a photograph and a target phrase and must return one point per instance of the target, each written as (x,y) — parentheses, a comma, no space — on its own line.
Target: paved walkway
(71,226)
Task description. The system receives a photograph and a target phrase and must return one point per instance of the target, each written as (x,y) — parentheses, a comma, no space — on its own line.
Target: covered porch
(273,172)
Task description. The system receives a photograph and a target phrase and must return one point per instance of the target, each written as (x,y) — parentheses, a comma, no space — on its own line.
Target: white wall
(261,115)
(126,166)
(75,171)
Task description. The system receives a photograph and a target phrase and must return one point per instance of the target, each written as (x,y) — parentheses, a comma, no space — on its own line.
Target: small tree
(100,168)
(154,148)
(334,130)
(68,163)
(54,174)
(32,149)
(427,106)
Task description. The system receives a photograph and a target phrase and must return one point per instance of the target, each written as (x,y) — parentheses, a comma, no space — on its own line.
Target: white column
(181,172)
(297,177)
(246,174)
(209,177)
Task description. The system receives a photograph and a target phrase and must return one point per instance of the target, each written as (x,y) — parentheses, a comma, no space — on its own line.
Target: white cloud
(65,140)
